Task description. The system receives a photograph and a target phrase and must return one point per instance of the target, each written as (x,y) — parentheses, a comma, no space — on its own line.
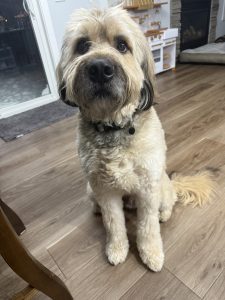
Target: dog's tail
(197,190)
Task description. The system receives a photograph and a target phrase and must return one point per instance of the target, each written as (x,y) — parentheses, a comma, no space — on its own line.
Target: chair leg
(13,218)
(26,294)
(26,266)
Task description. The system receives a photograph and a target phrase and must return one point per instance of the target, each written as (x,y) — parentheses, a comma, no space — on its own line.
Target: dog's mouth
(102,93)
(91,91)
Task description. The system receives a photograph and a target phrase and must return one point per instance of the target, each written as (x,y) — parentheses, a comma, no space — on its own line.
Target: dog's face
(106,66)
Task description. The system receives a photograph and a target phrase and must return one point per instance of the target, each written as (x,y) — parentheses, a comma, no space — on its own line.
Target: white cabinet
(157,52)
(163,48)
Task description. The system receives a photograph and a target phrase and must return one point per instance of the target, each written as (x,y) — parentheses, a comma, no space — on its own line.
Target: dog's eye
(122,46)
(82,46)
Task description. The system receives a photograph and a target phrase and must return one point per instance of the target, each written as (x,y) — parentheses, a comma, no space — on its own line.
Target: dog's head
(106,67)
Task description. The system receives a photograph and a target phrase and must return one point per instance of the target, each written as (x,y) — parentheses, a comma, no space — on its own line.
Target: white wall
(60,11)
(165,13)
(220,28)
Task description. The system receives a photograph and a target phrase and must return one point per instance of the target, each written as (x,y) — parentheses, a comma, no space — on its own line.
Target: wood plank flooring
(41,179)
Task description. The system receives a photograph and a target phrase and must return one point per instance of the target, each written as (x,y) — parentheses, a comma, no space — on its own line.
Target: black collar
(105,128)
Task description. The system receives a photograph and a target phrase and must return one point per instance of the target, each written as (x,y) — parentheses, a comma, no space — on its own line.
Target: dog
(107,70)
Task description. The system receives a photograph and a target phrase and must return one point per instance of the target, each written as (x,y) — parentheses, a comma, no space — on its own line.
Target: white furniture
(163,48)
(153,17)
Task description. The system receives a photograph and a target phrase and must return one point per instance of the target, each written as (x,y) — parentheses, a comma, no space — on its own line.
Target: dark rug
(26,122)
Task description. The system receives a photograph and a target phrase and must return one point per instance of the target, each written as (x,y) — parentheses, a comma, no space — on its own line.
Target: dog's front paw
(165,215)
(117,251)
(152,256)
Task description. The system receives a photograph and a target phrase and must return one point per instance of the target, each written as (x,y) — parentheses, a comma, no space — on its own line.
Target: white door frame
(47,44)
(49,30)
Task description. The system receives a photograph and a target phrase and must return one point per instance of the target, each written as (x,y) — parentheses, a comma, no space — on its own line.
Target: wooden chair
(13,218)
(25,265)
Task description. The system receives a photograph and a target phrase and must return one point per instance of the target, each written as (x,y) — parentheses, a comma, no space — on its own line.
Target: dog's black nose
(100,70)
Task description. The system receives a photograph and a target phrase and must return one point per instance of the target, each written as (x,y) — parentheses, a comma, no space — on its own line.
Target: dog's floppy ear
(148,89)
(147,96)
(62,94)
(62,87)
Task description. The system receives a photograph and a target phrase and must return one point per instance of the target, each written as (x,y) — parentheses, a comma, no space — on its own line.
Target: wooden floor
(41,180)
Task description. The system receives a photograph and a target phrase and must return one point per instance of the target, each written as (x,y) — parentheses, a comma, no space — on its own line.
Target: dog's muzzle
(96,80)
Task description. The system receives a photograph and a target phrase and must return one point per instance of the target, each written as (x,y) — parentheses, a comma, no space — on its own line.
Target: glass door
(24,77)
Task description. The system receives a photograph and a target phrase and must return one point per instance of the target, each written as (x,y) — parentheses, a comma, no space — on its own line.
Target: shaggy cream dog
(106,69)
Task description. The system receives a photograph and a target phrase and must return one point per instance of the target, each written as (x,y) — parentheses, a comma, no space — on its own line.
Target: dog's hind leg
(168,199)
